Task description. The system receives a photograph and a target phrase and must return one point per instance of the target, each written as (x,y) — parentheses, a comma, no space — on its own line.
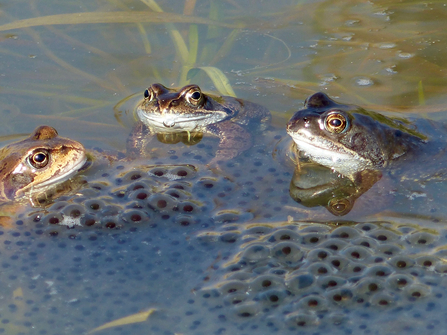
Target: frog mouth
(331,154)
(169,121)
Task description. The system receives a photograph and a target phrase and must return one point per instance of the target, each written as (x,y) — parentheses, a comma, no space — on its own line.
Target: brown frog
(38,162)
(170,111)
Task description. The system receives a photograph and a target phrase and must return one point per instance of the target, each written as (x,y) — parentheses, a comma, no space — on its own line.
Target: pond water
(227,251)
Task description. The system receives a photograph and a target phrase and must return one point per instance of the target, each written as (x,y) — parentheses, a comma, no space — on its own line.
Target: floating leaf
(134,318)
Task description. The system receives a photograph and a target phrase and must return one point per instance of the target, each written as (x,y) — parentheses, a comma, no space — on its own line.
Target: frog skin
(37,163)
(349,139)
(167,111)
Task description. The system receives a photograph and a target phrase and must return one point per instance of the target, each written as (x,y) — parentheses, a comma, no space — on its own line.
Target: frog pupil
(196,95)
(335,123)
(146,94)
(40,157)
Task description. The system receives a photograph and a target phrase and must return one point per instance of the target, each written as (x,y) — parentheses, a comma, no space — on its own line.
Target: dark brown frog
(189,111)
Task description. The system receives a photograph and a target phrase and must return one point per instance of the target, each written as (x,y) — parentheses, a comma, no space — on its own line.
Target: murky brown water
(246,258)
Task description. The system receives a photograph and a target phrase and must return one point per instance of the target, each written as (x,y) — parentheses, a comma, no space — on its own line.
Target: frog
(349,139)
(37,163)
(188,110)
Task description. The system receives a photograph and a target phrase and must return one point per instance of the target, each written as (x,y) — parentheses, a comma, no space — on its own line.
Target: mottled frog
(38,162)
(165,111)
(349,139)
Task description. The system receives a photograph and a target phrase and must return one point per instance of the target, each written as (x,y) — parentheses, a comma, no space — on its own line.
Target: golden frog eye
(194,97)
(336,123)
(149,94)
(39,158)
(340,207)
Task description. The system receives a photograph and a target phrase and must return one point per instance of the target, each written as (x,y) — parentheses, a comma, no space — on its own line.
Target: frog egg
(232,287)
(340,296)
(74,211)
(287,253)
(330,282)
(110,223)
(388,250)
(345,233)
(184,220)
(421,239)
(134,216)
(272,296)
(246,310)
(368,286)
(88,220)
(357,253)
(235,298)
(337,262)
(162,203)
(383,235)
(176,193)
(354,269)
(416,291)
(318,254)
(427,261)
(139,194)
(301,320)
(188,207)
(334,244)
(379,271)
(312,302)
(266,282)
(398,282)
(255,252)
(284,235)
(53,219)
(183,171)
(366,242)
(401,262)
(313,238)
(319,269)
(383,300)
(94,205)
(366,227)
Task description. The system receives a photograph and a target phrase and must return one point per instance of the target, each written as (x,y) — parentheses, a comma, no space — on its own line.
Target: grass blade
(110,17)
(134,318)
(219,79)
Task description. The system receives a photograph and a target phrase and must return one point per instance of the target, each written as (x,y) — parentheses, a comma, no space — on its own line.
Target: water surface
(204,268)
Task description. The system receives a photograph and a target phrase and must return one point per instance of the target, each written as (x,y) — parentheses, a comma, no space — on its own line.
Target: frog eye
(194,96)
(39,158)
(336,123)
(340,207)
(148,94)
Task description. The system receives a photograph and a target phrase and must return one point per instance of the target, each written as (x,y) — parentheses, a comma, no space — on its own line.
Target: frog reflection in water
(353,142)
(37,163)
(168,111)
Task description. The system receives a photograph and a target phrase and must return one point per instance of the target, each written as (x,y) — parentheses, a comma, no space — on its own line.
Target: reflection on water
(314,185)
(228,251)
